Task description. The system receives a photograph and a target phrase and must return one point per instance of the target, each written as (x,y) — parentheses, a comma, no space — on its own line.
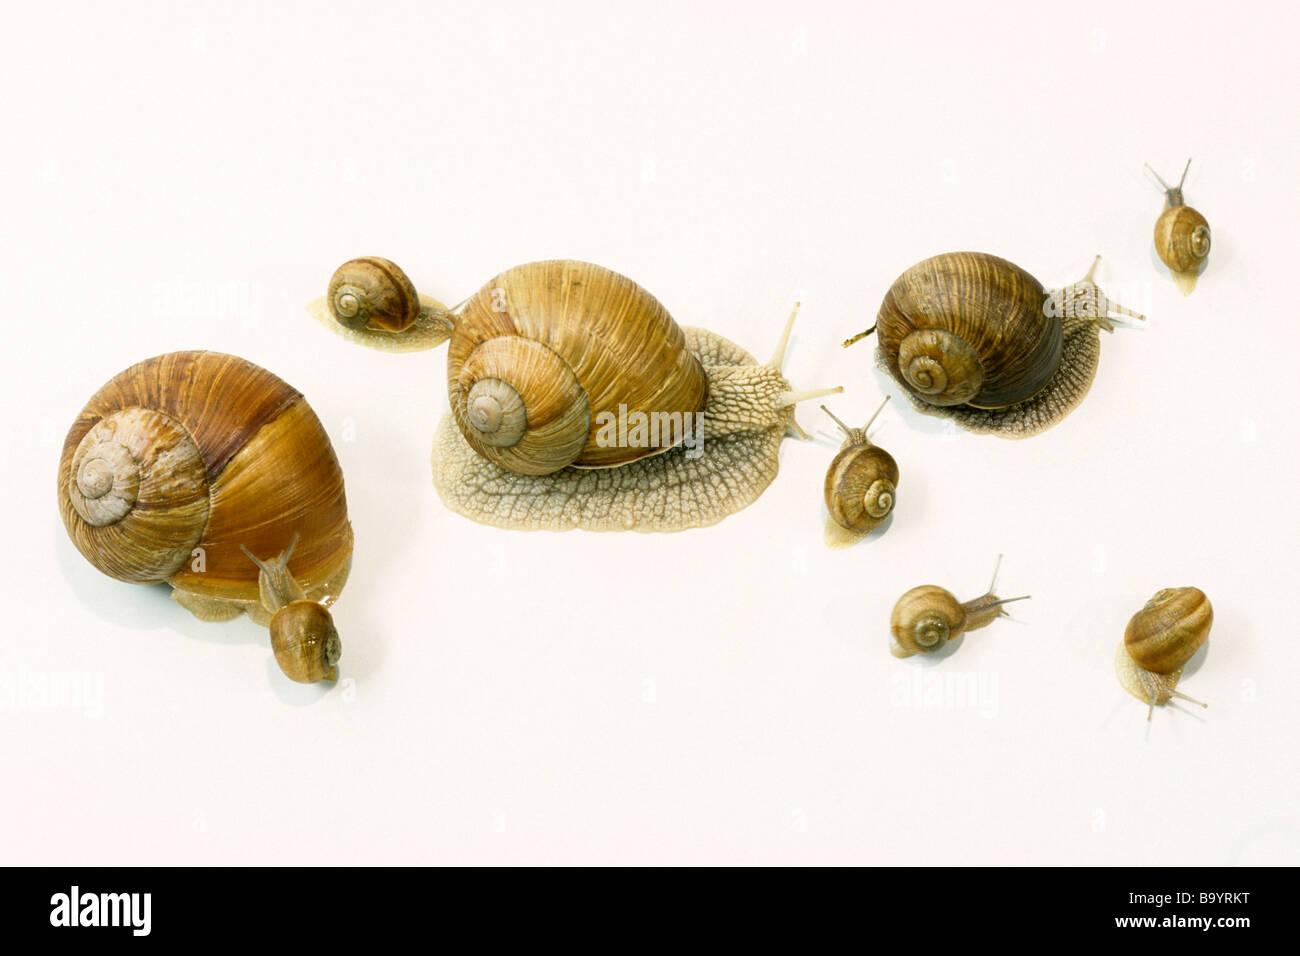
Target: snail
(210,473)
(1158,641)
(576,399)
(976,339)
(860,485)
(1182,235)
(928,617)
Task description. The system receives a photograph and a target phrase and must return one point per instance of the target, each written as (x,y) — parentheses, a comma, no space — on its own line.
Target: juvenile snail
(861,484)
(1182,235)
(1159,640)
(976,339)
(577,401)
(210,473)
(928,617)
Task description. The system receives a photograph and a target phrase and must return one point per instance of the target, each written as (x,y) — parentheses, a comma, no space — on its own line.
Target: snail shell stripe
(1169,629)
(136,496)
(1182,238)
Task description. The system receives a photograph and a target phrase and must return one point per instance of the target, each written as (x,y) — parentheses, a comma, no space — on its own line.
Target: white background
(181,177)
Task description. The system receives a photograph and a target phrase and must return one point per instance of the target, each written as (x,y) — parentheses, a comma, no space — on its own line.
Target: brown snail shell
(1182,235)
(861,483)
(977,339)
(1159,641)
(541,352)
(1170,628)
(372,292)
(305,642)
(926,618)
(967,328)
(181,465)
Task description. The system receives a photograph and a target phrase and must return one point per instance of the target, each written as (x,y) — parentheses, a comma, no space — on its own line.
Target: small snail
(928,617)
(976,339)
(577,401)
(1182,235)
(861,484)
(210,473)
(1159,640)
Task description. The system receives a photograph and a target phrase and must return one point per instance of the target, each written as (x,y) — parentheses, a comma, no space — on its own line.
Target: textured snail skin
(202,455)
(672,491)
(978,340)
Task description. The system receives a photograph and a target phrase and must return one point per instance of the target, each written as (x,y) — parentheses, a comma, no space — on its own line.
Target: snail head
(763,396)
(1173,194)
(1084,300)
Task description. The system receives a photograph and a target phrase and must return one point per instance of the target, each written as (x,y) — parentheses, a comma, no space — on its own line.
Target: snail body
(209,473)
(861,485)
(926,618)
(1159,641)
(578,402)
(977,339)
(1182,235)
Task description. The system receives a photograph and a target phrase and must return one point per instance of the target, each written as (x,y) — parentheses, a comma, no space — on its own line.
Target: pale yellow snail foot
(668,492)
(206,608)
(1152,689)
(838,537)
(1185,281)
(897,649)
(428,331)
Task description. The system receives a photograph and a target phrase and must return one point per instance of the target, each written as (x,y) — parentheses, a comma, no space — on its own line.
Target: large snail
(210,473)
(576,400)
(1159,641)
(1182,235)
(861,484)
(979,340)
(926,618)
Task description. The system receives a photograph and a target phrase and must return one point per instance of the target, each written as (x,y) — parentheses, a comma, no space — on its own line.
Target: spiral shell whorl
(495,412)
(861,486)
(1169,629)
(1182,238)
(926,618)
(968,328)
(879,499)
(941,366)
(134,494)
(579,344)
(372,292)
(105,481)
(520,406)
